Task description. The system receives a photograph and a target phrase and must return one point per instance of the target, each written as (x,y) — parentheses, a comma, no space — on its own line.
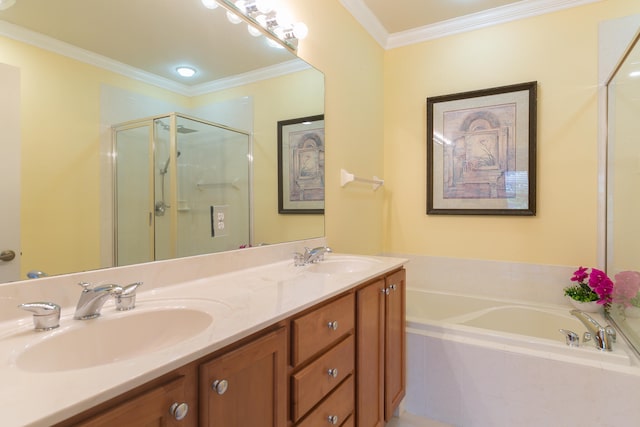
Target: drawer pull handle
(333,325)
(333,373)
(179,410)
(220,386)
(333,419)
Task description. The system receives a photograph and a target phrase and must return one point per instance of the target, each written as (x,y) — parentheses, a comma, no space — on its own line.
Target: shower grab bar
(203,185)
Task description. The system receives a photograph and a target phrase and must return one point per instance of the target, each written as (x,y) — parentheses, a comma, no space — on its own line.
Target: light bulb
(284,19)
(300,30)
(6,4)
(262,20)
(210,4)
(264,6)
(186,71)
(274,43)
(253,31)
(233,18)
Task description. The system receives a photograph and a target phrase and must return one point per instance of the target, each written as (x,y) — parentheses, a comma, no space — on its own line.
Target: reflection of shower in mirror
(161,212)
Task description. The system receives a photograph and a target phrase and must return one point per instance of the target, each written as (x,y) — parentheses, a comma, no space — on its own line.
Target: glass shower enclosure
(182,187)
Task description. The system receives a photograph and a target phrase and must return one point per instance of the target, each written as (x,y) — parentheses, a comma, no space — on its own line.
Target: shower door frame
(173,184)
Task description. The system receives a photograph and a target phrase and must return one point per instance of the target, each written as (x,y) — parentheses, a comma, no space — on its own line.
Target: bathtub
(474,361)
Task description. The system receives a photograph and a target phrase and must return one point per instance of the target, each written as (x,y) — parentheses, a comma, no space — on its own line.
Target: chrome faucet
(603,337)
(93,298)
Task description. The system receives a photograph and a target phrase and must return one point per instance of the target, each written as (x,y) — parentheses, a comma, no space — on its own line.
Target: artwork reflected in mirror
(301,165)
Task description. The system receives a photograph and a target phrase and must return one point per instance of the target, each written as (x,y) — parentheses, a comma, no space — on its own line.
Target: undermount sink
(343,265)
(104,340)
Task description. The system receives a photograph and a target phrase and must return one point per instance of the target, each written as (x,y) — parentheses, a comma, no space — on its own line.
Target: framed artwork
(481,152)
(301,165)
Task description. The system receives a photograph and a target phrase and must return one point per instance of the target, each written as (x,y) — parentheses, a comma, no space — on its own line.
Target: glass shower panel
(134,237)
(162,175)
(213,200)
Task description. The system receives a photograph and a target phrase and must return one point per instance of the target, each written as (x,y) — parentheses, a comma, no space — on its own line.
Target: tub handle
(572,339)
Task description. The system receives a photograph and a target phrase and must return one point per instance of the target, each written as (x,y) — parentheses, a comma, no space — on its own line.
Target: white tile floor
(409,420)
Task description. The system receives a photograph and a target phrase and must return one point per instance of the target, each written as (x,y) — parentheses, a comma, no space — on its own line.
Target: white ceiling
(395,23)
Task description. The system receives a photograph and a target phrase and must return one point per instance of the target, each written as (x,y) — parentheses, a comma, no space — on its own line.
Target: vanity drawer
(314,382)
(339,404)
(322,327)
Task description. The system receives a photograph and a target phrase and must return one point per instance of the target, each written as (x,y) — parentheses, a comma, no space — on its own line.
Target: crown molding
(56,46)
(367,19)
(265,73)
(499,15)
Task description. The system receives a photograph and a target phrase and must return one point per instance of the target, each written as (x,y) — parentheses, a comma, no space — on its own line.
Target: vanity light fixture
(278,22)
(6,4)
(186,71)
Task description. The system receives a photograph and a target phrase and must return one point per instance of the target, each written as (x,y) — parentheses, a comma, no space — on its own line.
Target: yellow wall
(60,200)
(353,65)
(559,50)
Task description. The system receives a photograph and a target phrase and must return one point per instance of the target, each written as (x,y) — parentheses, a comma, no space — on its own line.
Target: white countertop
(241,303)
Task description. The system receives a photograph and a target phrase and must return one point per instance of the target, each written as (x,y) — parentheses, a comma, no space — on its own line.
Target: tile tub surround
(252,289)
(493,279)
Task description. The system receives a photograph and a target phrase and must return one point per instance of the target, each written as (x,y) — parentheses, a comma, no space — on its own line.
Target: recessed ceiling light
(186,71)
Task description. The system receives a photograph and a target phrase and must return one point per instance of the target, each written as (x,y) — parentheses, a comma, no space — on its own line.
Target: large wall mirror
(71,70)
(623,199)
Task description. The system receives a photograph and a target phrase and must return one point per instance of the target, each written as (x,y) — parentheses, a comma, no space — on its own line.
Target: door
(10,167)
(247,386)
(370,370)
(395,344)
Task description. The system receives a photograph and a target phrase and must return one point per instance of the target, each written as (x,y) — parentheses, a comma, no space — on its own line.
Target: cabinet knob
(179,410)
(385,291)
(220,386)
(333,373)
(333,325)
(393,287)
(333,419)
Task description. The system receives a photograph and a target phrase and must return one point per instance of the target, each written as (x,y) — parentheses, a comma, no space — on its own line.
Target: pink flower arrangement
(627,288)
(597,281)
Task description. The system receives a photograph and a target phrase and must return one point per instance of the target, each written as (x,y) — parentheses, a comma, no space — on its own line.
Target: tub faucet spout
(601,338)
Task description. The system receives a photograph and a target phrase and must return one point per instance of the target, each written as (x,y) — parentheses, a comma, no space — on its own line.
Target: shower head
(166,164)
(185,130)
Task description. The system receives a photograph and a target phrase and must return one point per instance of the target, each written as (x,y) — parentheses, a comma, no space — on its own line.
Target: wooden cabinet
(323,361)
(247,386)
(380,349)
(169,402)
(346,367)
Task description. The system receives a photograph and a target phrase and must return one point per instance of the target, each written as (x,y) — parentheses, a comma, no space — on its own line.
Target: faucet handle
(126,300)
(46,315)
(611,332)
(572,339)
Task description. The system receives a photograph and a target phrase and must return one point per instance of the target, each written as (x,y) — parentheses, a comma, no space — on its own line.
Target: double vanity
(268,344)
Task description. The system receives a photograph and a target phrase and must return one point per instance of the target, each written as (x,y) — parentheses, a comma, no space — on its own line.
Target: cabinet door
(152,408)
(370,351)
(395,343)
(247,386)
